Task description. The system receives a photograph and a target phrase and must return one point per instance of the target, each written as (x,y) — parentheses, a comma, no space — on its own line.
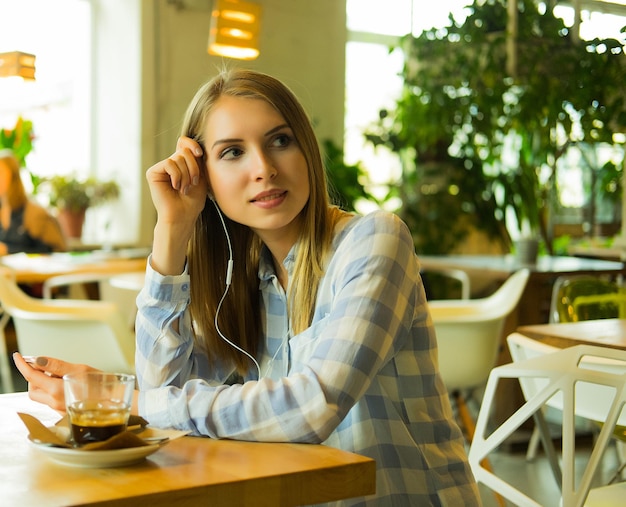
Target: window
(77,43)
(372,72)
(58,102)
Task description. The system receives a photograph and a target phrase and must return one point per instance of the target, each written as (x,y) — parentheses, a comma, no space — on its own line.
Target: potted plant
(481,138)
(19,139)
(73,196)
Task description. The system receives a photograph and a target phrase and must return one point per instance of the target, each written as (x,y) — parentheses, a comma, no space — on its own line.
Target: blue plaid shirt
(363,377)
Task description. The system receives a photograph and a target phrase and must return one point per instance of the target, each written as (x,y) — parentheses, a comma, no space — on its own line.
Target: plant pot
(71,222)
(526,250)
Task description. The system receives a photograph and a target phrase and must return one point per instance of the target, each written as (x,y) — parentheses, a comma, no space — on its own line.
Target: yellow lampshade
(17,63)
(234,30)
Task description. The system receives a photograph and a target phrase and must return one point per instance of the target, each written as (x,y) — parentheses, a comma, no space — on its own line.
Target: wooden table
(189,471)
(37,268)
(605,332)
(504,265)
(534,307)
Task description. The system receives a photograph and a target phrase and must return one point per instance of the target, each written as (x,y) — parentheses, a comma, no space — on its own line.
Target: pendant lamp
(17,63)
(234,30)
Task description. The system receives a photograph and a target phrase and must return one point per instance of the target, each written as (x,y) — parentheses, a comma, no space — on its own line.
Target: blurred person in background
(25,226)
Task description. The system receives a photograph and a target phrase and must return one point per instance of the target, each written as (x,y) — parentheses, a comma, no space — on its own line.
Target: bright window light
(57,102)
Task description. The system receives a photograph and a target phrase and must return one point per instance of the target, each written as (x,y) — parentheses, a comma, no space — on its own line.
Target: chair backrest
(79,331)
(6,375)
(592,401)
(125,299)
(563,371)
(586,297)
(469,332)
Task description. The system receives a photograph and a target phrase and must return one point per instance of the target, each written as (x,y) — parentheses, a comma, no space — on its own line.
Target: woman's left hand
(45,378)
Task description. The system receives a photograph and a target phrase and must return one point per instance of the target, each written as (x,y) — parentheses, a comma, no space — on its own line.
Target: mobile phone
(30,359)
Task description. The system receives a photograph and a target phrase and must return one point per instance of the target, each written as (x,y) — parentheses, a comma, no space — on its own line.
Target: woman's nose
(263,166)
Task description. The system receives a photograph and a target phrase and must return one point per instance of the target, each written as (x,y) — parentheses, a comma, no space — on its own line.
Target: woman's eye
(231,153)
(281,141)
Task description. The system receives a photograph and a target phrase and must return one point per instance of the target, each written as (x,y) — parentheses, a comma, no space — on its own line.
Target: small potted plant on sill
(72,197)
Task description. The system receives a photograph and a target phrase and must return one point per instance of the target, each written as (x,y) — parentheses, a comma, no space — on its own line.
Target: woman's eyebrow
(276,129)
(224,141)
(237,140)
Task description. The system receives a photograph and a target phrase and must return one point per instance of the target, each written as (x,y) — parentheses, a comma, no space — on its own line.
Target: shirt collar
(266,264)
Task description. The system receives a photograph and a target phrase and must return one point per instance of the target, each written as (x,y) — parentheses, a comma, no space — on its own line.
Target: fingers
(51,366)
(190,144)
(51,394)
(184,168)
(27,369)
(43,386)
(45,377)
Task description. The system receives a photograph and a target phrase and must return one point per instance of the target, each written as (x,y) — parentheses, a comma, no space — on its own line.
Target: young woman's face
(257,172)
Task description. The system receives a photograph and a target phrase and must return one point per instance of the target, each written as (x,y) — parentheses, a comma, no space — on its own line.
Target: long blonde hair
(240,316)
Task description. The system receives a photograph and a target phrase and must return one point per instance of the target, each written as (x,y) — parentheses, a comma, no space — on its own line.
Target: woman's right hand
(179,188)
(178,184)
(45,378)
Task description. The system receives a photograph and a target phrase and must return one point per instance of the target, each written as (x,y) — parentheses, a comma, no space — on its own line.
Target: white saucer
(96,459)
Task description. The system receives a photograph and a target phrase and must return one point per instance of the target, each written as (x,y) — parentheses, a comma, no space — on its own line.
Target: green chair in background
(587,297)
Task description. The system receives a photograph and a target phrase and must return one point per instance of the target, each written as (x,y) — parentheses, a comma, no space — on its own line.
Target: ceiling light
(17,63)
(234,29)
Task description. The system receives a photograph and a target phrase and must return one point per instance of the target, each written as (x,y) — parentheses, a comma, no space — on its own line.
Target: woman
(24,225)
(288,321)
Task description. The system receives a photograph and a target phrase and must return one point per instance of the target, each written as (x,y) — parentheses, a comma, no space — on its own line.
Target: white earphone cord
(229,276)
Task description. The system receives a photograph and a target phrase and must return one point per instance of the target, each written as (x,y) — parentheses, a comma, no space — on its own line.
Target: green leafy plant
(71,193)
(19,139)
(347,182)
(480,138)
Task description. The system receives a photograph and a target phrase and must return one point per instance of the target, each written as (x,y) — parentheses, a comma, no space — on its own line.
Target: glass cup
(98,404)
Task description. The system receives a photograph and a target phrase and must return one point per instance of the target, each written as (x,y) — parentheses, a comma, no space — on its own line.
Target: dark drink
(97,422)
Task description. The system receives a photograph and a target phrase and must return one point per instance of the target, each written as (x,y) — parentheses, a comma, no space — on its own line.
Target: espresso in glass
(95,422)
(98,404)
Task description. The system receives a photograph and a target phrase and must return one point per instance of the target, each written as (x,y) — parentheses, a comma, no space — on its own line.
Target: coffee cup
(98,404)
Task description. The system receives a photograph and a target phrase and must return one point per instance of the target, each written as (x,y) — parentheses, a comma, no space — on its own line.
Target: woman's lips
(269,199)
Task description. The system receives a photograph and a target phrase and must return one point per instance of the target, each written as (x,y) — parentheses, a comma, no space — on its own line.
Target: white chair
(6,375)
(522,347)
(469,336)
(5,366)
(590,403)
(605,496)
(75,282)
(579,379)
(582,297)
(79,331)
